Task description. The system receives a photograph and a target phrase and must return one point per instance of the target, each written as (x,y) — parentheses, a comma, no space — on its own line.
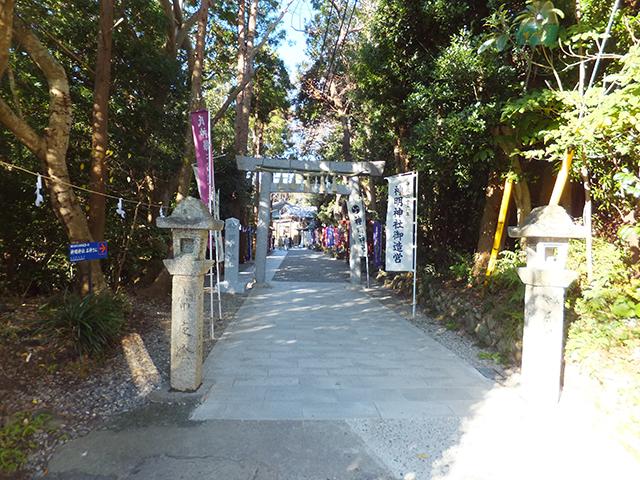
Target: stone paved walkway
(310,348)
(303,350)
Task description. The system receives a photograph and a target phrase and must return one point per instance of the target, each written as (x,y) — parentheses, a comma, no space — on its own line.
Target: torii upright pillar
(262,234)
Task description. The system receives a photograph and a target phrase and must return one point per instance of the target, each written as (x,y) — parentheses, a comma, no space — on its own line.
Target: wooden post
(502,216)
(563,175)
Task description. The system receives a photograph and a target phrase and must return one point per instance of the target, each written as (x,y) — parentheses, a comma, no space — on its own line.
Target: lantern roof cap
(190,214)
(549,221)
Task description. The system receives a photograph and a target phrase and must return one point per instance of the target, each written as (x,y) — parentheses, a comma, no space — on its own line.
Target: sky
(292,50)
(294,20)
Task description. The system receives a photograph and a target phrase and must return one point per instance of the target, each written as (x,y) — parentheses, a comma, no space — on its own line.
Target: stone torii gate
(267,166)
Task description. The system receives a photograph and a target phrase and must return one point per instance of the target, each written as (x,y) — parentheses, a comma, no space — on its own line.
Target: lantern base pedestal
(542,342)
(187,303)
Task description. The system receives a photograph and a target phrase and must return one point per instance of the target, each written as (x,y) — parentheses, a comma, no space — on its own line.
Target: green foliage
(536,25)
(494,357)
(451,143)
(501,28)
(461,268)
(505,276)
(452,325)
(610,277)
(34,247)
(602,126)
(605,334)
(605,125)
(504,295)
(15,440)
(326,210)
(88,323)
(608,308)
(147,123)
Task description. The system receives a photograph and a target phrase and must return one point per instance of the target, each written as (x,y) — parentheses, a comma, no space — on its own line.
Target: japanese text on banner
(202,144)
(357,221)
(400,224)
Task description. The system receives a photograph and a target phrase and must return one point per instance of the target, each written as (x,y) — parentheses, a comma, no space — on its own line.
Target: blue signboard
(79,252)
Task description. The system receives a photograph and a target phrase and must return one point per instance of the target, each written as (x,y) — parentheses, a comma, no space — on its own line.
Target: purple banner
(249,244)
(377,244)
(202,144)
(330,237)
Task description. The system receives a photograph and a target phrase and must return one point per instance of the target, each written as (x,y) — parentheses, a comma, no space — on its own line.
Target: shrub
(608,308)
(89,323)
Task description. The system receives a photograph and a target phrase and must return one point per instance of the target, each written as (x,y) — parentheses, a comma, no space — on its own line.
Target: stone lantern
(547,231)
(190,223)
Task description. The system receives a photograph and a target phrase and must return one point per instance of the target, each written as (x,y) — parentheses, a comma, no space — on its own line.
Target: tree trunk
(521,194)
(346,136)
(339,107)
(6,28)
(172,28)
(161,286)
(488,224)
(183,177)
(399,154)
(246,55)
(370,193)
(100,125)
(240,75)
(196,101)
(246,38)
(185,172)
(51,148)
(258,126)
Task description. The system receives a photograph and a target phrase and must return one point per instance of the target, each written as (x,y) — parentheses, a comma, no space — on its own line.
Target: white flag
(357,221)
(400,223)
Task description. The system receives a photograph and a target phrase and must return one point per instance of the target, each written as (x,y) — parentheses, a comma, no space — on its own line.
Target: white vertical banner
(401,223)
(357,220)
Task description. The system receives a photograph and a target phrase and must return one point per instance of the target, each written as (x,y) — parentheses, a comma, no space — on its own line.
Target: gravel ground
(82,396)
(82,400)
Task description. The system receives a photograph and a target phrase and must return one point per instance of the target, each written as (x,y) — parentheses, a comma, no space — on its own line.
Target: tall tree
(271,106)
(51,147)
(6,30)
(100,124)
(326,94)
(431,103)
(247,22)
(196,99)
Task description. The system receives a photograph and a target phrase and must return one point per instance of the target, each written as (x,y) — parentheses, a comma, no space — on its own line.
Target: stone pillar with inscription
(231,284)
(355,262)
(190,223)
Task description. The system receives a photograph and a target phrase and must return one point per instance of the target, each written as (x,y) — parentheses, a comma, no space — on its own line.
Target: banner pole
(211,192)
(218,242)
(211,284)
(366,247)
(415,238)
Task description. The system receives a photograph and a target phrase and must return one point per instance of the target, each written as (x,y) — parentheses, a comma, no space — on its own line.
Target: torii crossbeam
(352,170)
